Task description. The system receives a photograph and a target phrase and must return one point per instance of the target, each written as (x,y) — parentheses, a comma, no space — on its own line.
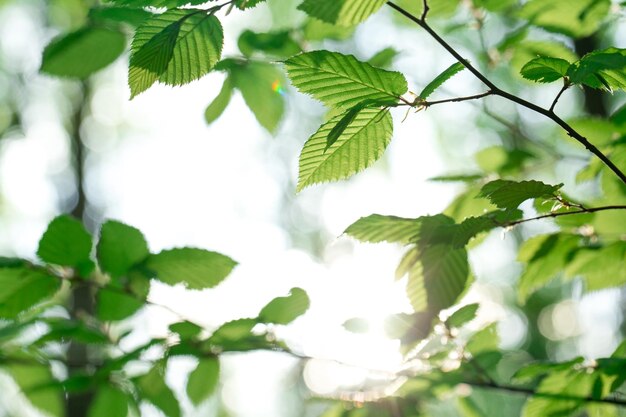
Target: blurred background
(154,163)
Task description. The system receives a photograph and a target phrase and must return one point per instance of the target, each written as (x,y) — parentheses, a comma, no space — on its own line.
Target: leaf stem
(457,99)
(566,85)
(511,97)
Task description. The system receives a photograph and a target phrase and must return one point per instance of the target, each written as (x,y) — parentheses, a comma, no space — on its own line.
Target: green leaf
(120,248)
(262,86)
(448,73)
(279,44)
(81,53)
(603,69)
(66,243)
(576,18)
(458,235)
(284,310)
(463,315)
(510,194)
(347,118)
(36,383)
(219,103)
(116,15)
(383,58)
(247,4)
(602,267)
(564,392)
(23,288)
(176,47)
(485,340)
(109,401)
(341,12)
(361,143)
(378,228)
(152,387)
(545,69)
(316,30)
(438,278)
(195,268)
(546,256)
(115,304)
(343,81)
(63,330)
(203,380)
(186,329)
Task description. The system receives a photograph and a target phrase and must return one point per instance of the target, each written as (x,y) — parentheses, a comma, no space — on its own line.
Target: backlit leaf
(438,81)
(203,380)
(66,242)
(545,69)
(23,288)
(120,247)
(341,12)
(510,194)
(284,310)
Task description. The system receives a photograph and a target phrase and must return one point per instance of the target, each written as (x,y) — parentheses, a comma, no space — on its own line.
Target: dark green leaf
(448,73)
(115,304)
(186,329)
(203,380)
(81,53)
(120,248)
(284,310)
(279,44)
(383,58)
(108,15)
(377,228)
(604,69)
(195,268)
(66,243)
(510,194)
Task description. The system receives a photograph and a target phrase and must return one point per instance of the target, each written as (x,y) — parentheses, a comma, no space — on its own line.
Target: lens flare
(277,87)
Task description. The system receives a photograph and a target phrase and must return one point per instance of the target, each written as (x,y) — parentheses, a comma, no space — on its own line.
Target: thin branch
(425,10)
(457,99)
(566,85)
(511,97)
(566,213)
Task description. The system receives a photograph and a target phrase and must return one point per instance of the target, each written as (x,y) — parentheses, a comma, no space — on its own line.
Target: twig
(511,97)
(457,99)
(566,85)
(566,213)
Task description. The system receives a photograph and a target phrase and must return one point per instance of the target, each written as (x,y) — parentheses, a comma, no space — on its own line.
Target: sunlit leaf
(284,310)
(438,81)
(66,242)
(23,288)
(341,12)
(510,194)
(120,248)
(545,69)
(203,379)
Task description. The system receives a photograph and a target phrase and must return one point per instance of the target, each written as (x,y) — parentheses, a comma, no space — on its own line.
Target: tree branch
(565,213)
(566,85)
(511,97)
(457,99)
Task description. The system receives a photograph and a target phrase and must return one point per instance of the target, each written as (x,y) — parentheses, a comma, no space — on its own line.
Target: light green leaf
(152,387)
(316,30)
(22,288)
(576,18)
(116,15)
(545,69)
(463,315)
(66,243)
(342,80)
(109,401)
(546,256)
(247,4)
(341,12)
(458,235)
(176,47)
(378,228)
(284,310)
(81,53)
(219,104)
(602,267)
(438,278)
(120,248)
(362,142)
(448,73)
(484,340)
(357,325)
(203,380)
(195,268)
(36,382)
(186,329)
(262,86)
(510,194)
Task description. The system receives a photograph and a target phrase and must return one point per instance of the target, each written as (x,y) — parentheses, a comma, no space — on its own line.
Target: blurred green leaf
(284,310)
(186,329)
(575,18)
(484,340)
(203,380)
(215,109)
(195,268)
(383,58)
(463,315)
(600,267)
(152,388)
(23,288)
(438,81)
(35,383)
(79,54)
(109,401)
(279,44)
(341,12)
(510,194)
